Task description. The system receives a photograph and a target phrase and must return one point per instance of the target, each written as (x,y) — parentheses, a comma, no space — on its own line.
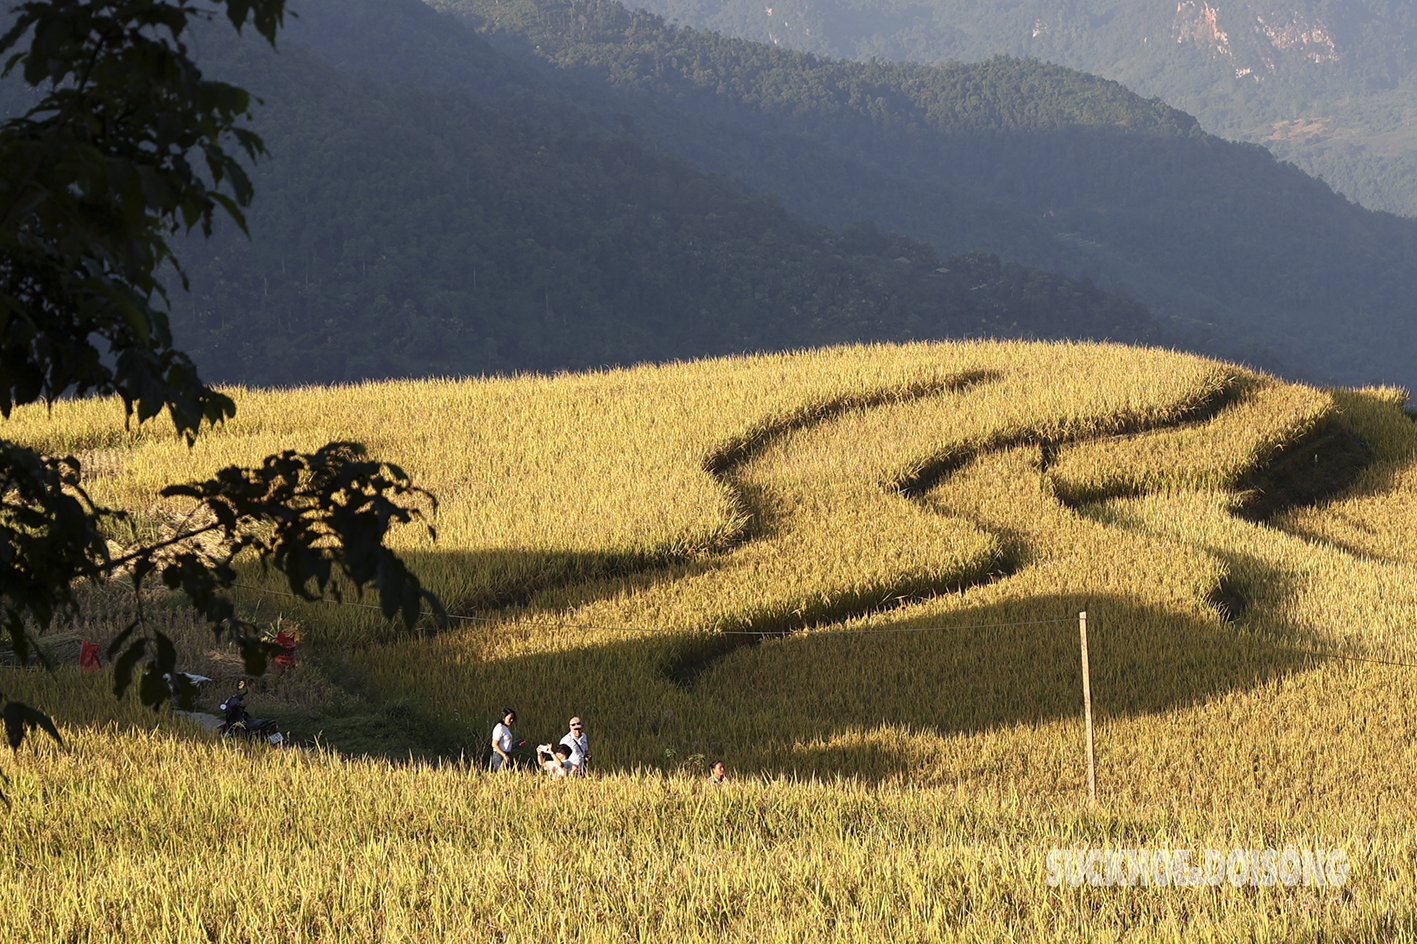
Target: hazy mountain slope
(433,207)
(1329,84)
(1032,161)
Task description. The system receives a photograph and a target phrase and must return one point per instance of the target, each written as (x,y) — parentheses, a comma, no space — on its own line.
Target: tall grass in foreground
(144,837)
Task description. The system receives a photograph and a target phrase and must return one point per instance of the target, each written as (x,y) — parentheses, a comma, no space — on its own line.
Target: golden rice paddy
(854,574)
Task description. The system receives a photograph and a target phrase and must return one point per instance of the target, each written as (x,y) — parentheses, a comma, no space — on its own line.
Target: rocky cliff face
(1199,23)
(1311,39)
(1265,42)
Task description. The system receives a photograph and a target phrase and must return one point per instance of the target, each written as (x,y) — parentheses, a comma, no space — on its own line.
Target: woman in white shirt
(502,742)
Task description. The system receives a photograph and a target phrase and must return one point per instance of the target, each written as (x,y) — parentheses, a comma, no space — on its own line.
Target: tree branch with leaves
(128,146)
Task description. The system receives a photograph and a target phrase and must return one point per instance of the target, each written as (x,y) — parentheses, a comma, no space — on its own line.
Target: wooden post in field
(1087,711)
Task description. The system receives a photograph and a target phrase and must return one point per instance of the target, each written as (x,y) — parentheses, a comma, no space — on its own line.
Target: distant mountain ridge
(596,187)
(1245,256)
(1329,84)
(433,206)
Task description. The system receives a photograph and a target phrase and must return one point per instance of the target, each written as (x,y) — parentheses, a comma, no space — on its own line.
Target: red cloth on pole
(88,655)
(287,658)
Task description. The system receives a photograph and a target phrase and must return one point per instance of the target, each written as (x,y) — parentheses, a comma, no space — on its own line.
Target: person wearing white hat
(580,749)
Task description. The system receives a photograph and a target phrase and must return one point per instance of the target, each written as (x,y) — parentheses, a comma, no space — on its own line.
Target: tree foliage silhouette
(127,146)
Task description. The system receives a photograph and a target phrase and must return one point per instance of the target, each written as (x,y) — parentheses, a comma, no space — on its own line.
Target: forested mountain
(591,186)
(433,207)
(1245,256)
(1328,84)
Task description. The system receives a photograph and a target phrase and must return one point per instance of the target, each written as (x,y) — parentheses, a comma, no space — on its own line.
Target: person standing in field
(718,773)
(502,741)
(580,747)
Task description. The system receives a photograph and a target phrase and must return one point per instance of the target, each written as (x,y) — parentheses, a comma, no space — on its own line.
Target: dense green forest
(1327,84)
(1241,254)
(431,207)
(566,185)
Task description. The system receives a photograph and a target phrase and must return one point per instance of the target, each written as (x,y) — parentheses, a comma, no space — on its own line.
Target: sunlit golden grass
(1266,417)
(855,575)
(1297,589)
(543,480)
(1378,517)
(145,837)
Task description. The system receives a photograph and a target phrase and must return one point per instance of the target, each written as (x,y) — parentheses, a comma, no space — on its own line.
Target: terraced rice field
(854,574)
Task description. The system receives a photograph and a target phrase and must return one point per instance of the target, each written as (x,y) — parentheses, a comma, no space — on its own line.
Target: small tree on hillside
(127,146)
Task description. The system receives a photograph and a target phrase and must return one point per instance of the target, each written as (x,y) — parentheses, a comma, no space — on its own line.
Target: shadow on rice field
(819,678)
(792,692)
(869,706)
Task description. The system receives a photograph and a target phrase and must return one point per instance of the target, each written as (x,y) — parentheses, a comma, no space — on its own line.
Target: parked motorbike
(238,723)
